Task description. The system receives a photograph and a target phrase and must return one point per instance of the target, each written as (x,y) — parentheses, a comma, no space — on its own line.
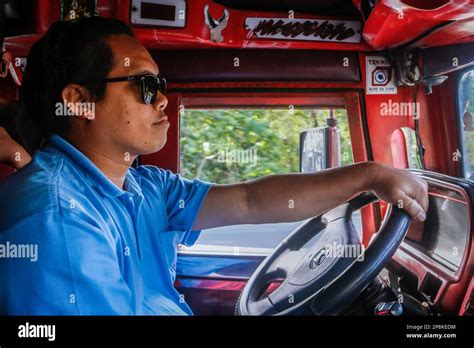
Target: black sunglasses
(150,83)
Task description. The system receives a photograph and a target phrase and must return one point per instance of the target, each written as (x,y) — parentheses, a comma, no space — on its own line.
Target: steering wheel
(323,263)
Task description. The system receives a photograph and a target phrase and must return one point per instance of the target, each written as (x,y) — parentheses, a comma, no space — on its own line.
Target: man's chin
(153,147)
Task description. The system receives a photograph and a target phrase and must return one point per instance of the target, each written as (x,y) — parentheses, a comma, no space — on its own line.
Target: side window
(466,113)
(234,145)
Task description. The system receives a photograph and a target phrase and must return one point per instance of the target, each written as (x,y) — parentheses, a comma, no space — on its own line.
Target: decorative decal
(305,29)
(379,76)
(216,25)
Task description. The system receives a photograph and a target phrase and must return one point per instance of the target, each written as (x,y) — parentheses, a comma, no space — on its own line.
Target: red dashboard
(436,259)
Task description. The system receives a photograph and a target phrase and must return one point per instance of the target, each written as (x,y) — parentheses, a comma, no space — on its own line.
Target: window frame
(349,99)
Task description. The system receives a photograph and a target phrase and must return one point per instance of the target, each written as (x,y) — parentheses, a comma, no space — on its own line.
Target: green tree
(271,134)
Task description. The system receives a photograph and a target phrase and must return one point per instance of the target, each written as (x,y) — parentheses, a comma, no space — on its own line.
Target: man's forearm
(294,197)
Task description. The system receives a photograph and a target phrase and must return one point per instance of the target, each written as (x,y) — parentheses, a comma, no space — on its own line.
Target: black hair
(2,24)
(69,52)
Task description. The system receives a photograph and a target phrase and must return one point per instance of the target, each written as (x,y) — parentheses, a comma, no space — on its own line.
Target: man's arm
(294,197)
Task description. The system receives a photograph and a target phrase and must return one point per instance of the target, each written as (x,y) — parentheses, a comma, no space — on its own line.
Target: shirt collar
(90,170)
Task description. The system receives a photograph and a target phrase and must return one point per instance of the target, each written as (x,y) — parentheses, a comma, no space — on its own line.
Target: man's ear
(77,101)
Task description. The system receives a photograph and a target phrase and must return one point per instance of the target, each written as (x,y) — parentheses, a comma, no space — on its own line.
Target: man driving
(107,233)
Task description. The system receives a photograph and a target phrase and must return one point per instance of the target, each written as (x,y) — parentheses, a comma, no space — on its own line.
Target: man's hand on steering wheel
(401,188)
(315,279)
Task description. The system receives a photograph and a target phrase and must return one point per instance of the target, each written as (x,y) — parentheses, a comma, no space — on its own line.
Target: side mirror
(320,148)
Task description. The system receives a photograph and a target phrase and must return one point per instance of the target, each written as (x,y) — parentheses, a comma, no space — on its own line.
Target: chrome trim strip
(222,250)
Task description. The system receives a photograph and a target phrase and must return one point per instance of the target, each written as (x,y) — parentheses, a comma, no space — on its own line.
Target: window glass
(233,145)
(466,113)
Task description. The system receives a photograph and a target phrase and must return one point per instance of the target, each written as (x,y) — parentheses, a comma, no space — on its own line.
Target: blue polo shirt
(100,250)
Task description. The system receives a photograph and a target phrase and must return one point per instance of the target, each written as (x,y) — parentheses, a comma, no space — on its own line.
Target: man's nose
(161,102)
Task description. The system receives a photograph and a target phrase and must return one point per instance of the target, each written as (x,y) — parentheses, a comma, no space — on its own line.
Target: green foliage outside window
(233,145)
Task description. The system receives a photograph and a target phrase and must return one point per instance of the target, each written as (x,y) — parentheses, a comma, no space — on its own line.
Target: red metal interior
(418,18)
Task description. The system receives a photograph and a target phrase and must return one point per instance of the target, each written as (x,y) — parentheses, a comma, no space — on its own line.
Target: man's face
(121,116)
